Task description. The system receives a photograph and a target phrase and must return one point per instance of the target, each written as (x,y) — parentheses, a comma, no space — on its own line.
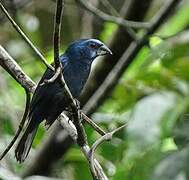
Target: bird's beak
(103,50)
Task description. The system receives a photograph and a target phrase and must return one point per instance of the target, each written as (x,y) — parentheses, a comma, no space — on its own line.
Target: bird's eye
(92,45)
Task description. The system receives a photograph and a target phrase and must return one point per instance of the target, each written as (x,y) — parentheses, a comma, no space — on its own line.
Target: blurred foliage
(152,97)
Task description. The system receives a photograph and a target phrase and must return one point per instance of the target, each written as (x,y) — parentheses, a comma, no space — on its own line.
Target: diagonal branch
(10,65)
(93,124)
(23,35)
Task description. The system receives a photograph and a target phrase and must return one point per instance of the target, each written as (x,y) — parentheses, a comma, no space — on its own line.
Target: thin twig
(57,29)
(23,35)
(106,17)
(93,124)
(56,42)
(19,127)
(106,137)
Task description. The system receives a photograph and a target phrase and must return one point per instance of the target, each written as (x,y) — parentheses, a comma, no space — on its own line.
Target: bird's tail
(24,145)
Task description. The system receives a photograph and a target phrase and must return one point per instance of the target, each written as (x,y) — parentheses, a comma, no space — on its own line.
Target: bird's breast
(76,77)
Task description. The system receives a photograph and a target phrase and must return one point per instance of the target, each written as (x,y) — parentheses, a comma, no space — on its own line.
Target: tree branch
(114,12)
(10,65)
(57,28)
(109,7)
(92,124)
(106,17)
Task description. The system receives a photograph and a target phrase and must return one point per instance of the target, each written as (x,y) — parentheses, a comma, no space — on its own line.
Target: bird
(49,101)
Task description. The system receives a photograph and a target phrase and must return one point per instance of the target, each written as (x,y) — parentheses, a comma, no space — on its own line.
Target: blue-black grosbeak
(49,100)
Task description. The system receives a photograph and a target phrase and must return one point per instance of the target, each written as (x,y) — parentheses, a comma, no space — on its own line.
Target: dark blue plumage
(48,100)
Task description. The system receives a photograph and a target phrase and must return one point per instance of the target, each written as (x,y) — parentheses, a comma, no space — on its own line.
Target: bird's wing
(41,92)
(47,99)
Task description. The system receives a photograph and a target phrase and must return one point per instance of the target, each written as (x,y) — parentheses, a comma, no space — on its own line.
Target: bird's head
(87,49)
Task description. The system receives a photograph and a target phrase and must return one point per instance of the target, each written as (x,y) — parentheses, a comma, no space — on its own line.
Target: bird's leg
(88,120)
(84,117)
(69,111)
(76,102)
